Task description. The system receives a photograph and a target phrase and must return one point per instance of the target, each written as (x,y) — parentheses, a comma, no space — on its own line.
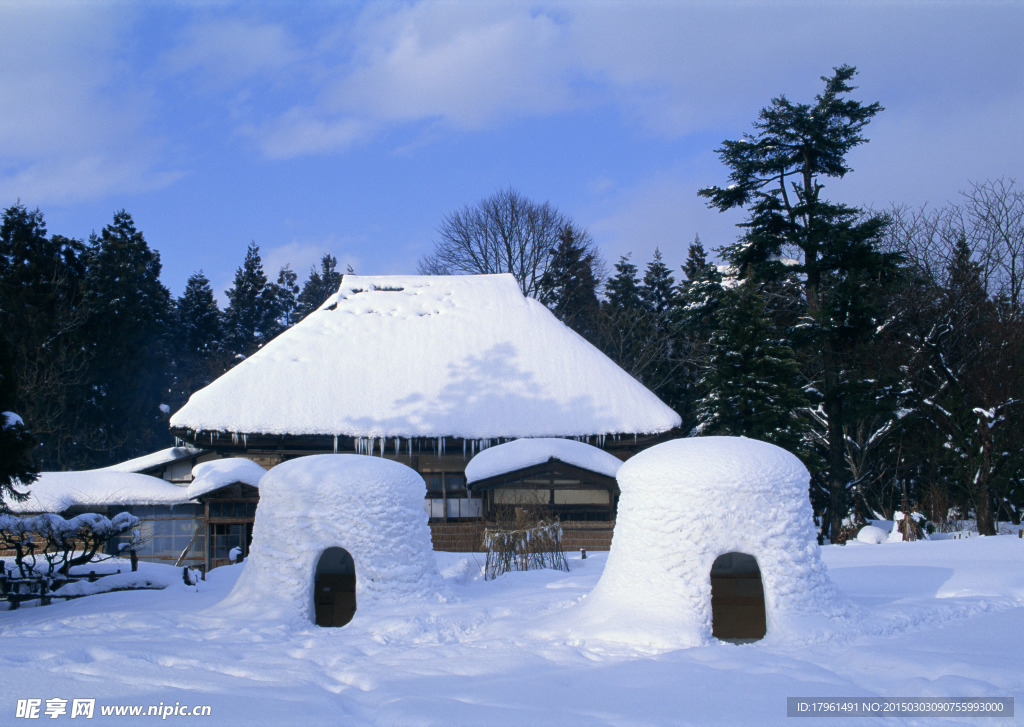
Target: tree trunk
(981,490)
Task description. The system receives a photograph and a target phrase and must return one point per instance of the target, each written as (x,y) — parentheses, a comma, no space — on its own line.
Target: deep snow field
(942,618)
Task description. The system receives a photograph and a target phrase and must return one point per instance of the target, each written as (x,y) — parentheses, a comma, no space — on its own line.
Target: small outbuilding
(336,535)
(566,478)
(715,537)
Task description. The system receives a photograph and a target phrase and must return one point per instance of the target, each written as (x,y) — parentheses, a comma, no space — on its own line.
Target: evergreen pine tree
(199,350)
(750,385)
(656,290)
(251,316)
(42,317)
(623,288)
(777,176)
(17,466)
(286,290)
(320,285)
(696,259)
(129,311)
(568,287)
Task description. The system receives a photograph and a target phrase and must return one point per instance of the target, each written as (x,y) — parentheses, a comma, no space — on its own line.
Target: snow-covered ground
(938,619)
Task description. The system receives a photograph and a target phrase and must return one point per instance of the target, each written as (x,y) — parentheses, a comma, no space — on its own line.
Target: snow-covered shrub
(58,542)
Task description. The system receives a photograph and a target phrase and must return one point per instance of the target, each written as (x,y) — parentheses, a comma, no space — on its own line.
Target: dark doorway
(334,588)
(737,599)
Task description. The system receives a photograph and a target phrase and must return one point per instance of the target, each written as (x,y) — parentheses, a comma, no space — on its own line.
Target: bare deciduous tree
(504,233)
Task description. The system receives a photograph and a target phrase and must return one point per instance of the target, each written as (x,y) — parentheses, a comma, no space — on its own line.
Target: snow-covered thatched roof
(427,356)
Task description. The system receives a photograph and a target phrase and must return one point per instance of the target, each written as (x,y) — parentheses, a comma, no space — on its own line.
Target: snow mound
(217,473)
(371,507)
(871,534)
(683,504)
(522,453)
(427,356)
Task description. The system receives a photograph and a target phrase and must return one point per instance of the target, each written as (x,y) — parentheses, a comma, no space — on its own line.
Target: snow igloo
(336,536)
(709,530)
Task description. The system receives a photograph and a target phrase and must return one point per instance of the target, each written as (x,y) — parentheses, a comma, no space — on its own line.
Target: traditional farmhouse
(424,370)
(427,371)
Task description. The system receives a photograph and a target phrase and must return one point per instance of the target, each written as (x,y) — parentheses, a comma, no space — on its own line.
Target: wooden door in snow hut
(737,598)
(334,588)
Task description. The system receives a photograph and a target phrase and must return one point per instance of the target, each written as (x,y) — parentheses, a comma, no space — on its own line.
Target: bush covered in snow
(50,545)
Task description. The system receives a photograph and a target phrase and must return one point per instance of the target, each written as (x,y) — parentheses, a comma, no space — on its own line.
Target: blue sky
(354,128)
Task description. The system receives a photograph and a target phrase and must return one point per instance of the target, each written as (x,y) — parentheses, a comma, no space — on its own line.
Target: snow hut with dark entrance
(426,371)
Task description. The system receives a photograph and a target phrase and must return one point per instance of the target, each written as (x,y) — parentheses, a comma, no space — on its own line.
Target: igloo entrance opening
(737,599)
(334,588)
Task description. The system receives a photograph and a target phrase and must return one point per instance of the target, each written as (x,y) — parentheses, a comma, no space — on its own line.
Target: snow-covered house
(427,371)
(194,519)
(336,535)
(715,537)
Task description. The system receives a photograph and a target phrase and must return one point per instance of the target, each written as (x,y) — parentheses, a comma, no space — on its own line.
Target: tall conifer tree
(251,316)
(129,313)
(778,176)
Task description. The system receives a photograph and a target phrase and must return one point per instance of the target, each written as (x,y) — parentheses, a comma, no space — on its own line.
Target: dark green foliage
(320,286)
(17,465)
(199,347)
(569,287)
(696,260)
(751,384)
(623,288)
(777,175)
(128,320)
(656,287)
(286,290)
(251,316)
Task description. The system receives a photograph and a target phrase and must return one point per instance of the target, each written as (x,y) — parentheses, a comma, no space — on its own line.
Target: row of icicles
(380,445)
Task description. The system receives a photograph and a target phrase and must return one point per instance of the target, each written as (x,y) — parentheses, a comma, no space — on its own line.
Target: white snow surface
(371,507)
(154,459)
(58,491)
(685,502)
(217,473)
(520,453)
(428,356)
(943,618)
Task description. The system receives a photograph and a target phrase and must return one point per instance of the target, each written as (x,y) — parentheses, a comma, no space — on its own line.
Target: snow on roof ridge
(427,356)
(154,459)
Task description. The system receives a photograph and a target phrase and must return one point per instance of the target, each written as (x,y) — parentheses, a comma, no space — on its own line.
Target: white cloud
(74,121)
(230,50)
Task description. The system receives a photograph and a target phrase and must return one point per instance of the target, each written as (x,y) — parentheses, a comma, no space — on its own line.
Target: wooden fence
(468,537)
